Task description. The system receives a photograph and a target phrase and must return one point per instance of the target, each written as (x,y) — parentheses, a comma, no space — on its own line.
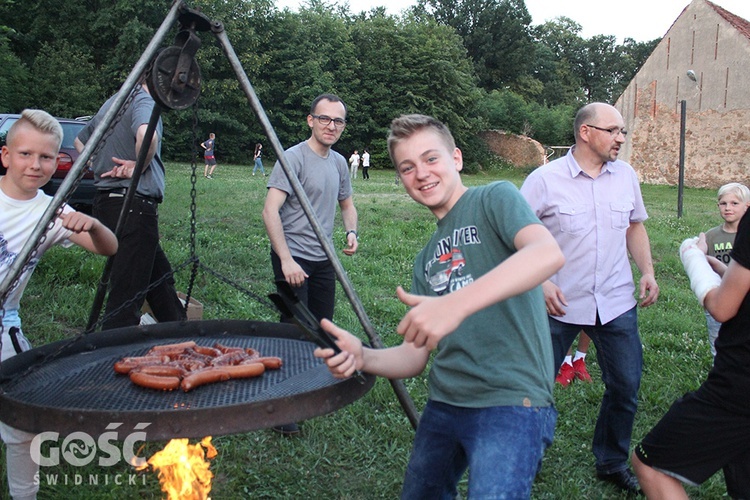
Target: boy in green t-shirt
(475,299)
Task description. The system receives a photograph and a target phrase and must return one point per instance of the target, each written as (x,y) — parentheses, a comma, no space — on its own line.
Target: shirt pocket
(620,212)
(573,218)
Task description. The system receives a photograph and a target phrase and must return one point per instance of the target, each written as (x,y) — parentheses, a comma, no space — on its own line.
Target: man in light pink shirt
(591,203)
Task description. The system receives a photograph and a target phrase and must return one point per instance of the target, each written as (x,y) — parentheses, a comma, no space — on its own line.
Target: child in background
(30,155)
(208,155)
(366,165)
(257,158)
(574,367)
(475,297)
(354,162)
(734,199)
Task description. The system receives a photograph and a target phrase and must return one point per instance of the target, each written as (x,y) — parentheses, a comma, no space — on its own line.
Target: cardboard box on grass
(194,311)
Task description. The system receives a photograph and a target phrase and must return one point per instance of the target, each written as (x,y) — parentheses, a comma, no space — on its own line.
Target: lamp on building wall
(683,120)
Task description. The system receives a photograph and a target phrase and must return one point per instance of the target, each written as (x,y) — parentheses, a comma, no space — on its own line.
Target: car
(448,264)
(83,196)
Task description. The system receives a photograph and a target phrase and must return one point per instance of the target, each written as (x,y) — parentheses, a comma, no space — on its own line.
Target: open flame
(183,469)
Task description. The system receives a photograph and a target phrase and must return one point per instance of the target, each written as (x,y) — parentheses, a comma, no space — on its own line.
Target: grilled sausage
(169,370)
(207,351)
(226,349)
(193,355)
(244,371)
(126,364)
(230,358)
(173,347)
(270,362)
(187,364)
(203,377)
(154,381)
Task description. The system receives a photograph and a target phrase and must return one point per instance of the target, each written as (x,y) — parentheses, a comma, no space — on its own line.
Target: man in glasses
(297,256)
(591,203)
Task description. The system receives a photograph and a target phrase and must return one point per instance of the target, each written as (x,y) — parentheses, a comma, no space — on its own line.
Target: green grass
(361,450)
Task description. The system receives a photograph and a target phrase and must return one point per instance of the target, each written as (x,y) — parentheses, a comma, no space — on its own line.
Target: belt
(121,192)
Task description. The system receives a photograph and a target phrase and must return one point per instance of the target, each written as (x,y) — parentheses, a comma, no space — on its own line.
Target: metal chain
(193,208)
(238,287)
(56,353)
(140,295)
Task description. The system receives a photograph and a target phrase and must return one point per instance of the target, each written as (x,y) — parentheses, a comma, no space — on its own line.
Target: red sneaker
(566,375)
(581,373)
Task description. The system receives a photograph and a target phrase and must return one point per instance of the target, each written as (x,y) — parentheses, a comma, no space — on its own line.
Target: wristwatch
(351,231)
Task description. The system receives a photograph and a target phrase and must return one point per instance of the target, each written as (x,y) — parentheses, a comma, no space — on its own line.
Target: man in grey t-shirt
(297,256)
(140,260)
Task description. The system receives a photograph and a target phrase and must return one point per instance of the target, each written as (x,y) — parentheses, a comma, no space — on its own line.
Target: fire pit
(71,386)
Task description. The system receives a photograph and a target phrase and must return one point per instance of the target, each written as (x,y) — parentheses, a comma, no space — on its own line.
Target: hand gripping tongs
(289,305)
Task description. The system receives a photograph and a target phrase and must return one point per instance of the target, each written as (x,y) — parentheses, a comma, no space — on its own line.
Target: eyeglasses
(326,120)
(614,131)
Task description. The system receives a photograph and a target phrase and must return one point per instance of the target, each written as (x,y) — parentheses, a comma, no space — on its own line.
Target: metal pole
(398,386)
(75,171)
(681,181)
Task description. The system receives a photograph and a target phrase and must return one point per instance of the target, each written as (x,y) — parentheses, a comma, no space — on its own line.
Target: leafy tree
(552,126)
(309,53)
(437,58)
(410,66)
(495,33)
(601,69)
(13,78)
(633,55)
(61,88)
(223,108)
(575,70)
(562,61)
(506,110)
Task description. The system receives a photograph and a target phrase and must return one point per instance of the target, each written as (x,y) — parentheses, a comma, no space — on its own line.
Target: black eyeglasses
(614,131)
(326,120)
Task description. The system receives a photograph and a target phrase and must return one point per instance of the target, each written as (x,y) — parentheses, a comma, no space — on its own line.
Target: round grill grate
(79,388)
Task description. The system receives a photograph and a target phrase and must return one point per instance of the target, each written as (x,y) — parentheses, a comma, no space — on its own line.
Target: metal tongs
(287,302)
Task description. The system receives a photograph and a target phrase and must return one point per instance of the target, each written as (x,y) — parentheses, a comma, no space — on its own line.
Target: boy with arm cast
(708,430)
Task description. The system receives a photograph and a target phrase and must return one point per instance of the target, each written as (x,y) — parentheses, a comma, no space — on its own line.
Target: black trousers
(318,292)
(139,262)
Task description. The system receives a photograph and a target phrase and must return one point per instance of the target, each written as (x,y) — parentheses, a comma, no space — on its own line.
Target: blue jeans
(620,356)
(259,165)
(502,447)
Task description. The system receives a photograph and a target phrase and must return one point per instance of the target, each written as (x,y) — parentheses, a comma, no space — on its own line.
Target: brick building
(703,59)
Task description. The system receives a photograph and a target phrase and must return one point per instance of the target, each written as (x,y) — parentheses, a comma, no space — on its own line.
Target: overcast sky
(641,20)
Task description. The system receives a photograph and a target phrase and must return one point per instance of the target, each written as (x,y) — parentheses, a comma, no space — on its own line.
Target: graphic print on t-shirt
(446,271)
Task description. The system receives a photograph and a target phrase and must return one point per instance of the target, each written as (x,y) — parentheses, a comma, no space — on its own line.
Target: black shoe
(624,479)
(287,429)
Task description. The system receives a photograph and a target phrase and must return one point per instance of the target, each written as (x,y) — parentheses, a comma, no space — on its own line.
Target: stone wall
(518,150)
(716,148)
(704,60)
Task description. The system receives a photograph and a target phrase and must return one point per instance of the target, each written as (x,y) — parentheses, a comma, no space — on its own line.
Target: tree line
(474,64)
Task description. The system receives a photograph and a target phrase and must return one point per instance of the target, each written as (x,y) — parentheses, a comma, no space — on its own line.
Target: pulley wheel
(170,92)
